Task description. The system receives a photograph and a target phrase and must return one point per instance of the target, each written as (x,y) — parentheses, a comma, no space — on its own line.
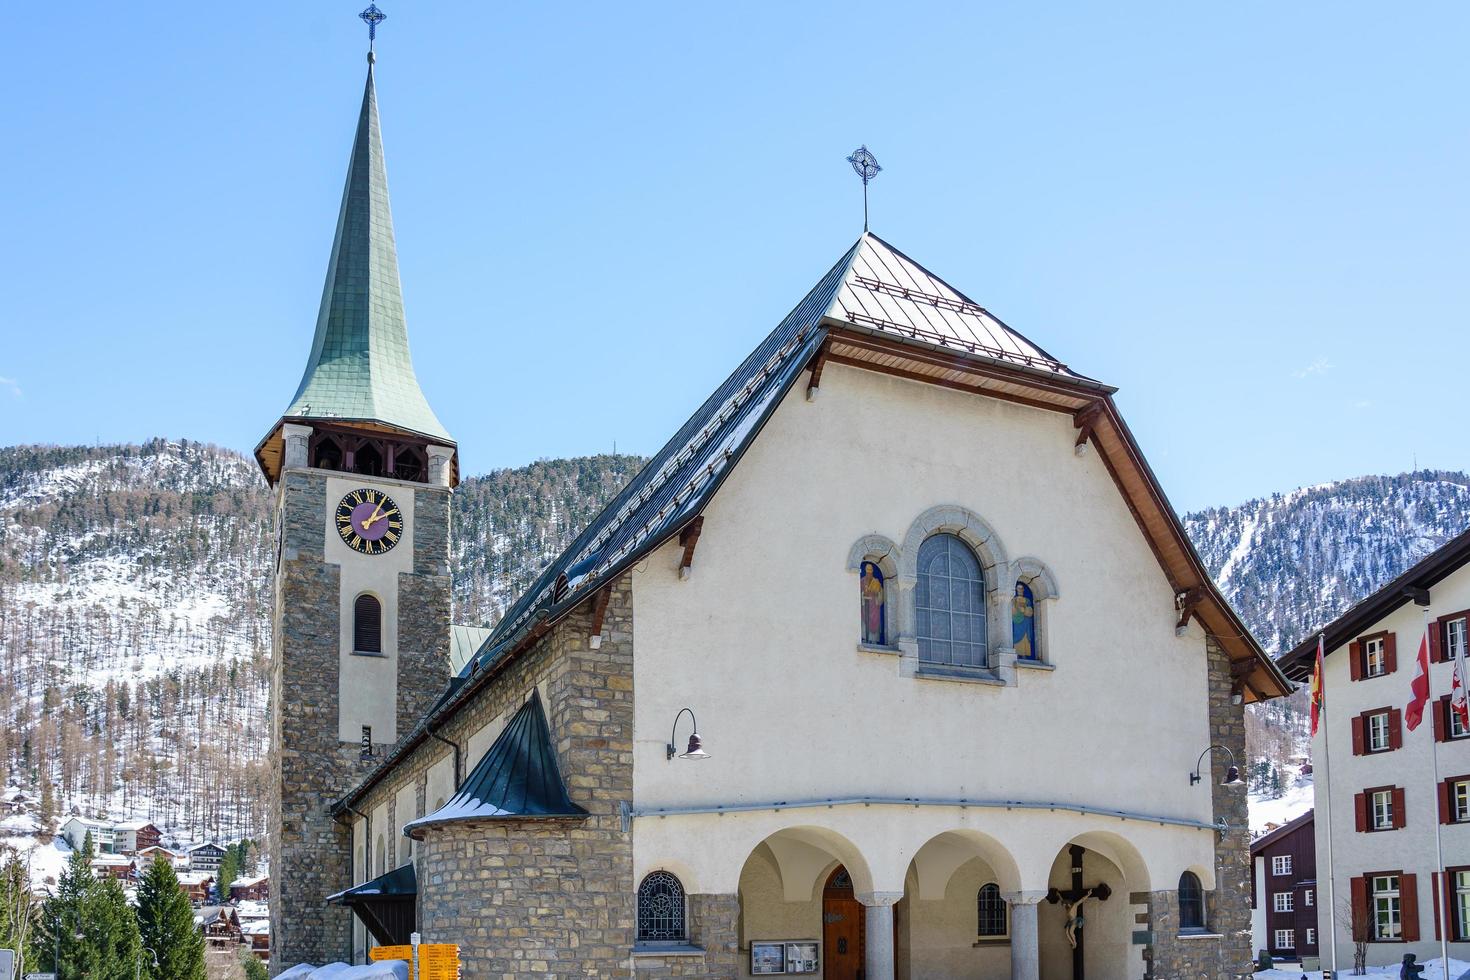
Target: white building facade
(1381,790)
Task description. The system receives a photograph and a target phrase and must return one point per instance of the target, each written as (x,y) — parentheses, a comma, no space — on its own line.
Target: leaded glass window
(661,909)
(1191,902)
(992,912)
(949,602)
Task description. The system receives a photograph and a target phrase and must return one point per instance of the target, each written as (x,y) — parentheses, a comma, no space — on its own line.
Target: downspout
(453,745)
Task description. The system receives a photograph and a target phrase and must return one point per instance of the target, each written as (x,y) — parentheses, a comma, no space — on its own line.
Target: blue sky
(1252,218)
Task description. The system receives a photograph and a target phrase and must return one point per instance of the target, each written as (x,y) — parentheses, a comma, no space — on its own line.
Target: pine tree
(229,870)
(111,946)
(61,940)
(166,921)
(48,811)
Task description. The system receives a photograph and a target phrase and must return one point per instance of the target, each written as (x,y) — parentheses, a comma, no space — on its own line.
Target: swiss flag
(1419,687)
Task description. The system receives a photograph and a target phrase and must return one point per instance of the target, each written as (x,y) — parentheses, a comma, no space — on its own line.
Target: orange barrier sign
(437,961)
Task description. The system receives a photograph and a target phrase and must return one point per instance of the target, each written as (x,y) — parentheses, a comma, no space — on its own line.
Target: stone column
(439,468)
(1025,936)
(878,941)
(297,438)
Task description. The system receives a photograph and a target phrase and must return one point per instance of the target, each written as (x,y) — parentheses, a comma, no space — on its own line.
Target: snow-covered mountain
(134,605)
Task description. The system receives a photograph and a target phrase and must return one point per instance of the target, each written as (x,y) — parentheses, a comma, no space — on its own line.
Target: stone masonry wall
(311,852)
(540,897)
(714,926)
(1226,956)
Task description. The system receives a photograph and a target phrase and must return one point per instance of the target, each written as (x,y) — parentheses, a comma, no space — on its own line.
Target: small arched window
(949,603)
(992,912)
(1023,623)
(367,624)
(873,594)
(661,909)
(1191,902)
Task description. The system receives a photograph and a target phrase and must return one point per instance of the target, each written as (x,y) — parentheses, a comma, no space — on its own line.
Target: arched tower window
(1023,623)
(367,460)
(367,624)
(949,603)
(1191,902)
(328,455)
(873,594)
(992,912)
(661,909)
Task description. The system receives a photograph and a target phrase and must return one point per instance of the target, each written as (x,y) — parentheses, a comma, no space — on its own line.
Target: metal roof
(518,778)
(463,642)
(359,368)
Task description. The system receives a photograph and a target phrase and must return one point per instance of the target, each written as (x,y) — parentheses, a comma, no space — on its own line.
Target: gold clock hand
(377,516)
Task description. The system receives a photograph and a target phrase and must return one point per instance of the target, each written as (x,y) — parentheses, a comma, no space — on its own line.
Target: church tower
(362,472)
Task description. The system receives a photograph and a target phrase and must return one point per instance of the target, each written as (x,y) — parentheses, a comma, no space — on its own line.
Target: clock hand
(377,516)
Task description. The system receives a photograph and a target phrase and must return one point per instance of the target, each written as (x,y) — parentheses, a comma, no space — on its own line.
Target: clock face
(369,521)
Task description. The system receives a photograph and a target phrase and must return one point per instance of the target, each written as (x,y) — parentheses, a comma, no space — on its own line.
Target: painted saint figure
(874,631)
(1023,623)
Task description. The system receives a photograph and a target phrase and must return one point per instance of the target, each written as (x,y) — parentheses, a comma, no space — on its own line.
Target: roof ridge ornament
(865,165)
(372,16)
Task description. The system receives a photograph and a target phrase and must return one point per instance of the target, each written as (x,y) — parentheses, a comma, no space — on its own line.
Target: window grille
(367,624)
(1284,902)
(949,602)
(1281,864)
(1191,902)
(1285,939)
(992,912)
(661,909)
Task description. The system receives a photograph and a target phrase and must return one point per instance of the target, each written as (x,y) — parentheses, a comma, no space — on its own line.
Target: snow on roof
(111,860)
(248,882)
(133,825)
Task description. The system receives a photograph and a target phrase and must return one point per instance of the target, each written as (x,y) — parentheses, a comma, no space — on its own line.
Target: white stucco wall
(368,685)
(439,784)
(761,640)
(1410,849)
(405,808)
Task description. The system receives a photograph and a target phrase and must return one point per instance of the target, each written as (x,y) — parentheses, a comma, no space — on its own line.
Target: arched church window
(367,460)
(328,455)
(367,624)
(382,855)
(992,912)
(949,604)
(408,464)
(1023,623)
(661,909)
(873,594)
(1191,902)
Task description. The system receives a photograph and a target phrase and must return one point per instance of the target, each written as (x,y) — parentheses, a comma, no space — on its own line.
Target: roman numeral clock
(369,521)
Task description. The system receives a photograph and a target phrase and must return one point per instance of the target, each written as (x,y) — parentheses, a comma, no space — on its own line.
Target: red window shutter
(1399,817)
(1360,909)
(1409,907)
(1390,653)
(1439,712)
(1395,728)
(1360,811)
(1434,879)
(1436,647)
(1358,735)
(1355,660)
(1446,815)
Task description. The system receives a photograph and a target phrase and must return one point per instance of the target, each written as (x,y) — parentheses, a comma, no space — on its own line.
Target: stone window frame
(884,553)
(653,944)
(1193,928)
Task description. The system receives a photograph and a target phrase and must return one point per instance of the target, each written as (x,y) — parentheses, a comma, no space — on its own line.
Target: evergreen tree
(48,811)
(110,944)
(229,870)
(62,941)
(166,921)
(254,968)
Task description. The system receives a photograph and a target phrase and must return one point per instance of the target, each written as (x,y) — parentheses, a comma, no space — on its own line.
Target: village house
(132,836)
(119,866)
(157,852)
(894,662)
(104,838)
(256,888)
(1375,791)
(205,857)
(220,925)
(1284,890)
(197,885)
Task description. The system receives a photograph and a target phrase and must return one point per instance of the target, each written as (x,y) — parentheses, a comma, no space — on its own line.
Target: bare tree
(1356,921)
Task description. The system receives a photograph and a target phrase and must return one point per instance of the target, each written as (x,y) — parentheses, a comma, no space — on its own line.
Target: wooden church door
(843,925)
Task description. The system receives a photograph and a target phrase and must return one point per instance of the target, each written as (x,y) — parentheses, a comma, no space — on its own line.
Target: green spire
(360,368)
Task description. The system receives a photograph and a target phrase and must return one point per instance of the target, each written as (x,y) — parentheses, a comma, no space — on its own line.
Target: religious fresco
(875,627)
(1023,623)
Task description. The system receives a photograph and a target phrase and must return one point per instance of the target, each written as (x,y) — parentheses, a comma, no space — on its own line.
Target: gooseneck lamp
(1232,774)
(696,744)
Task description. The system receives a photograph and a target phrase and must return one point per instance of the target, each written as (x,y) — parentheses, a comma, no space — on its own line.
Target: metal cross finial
(865,165)
(372,16)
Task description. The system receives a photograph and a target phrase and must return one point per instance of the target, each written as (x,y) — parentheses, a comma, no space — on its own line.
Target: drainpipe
(453,745)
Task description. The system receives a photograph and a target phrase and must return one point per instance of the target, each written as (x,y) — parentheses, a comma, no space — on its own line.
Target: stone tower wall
(310,852)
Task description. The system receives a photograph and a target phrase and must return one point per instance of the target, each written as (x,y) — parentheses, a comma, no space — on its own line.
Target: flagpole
(1327,804)
(1442,925)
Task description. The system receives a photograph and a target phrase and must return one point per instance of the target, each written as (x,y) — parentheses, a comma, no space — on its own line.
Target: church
(977,711)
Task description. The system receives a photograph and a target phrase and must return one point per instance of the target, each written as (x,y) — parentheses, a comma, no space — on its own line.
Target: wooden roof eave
(270,450)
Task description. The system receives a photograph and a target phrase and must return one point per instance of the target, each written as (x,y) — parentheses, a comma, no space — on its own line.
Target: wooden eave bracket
(819,361)
(1085,419)
(599,613)
(1240,671)
(1185,604)
(689,537)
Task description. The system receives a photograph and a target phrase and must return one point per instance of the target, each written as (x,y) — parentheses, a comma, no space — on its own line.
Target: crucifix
(1071,901)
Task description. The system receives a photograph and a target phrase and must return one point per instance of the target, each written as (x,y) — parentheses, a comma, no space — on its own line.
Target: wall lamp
(696,744)
(1232,775)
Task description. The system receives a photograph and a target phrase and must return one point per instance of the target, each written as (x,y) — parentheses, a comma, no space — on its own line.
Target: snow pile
(386,970)
(1432,971)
